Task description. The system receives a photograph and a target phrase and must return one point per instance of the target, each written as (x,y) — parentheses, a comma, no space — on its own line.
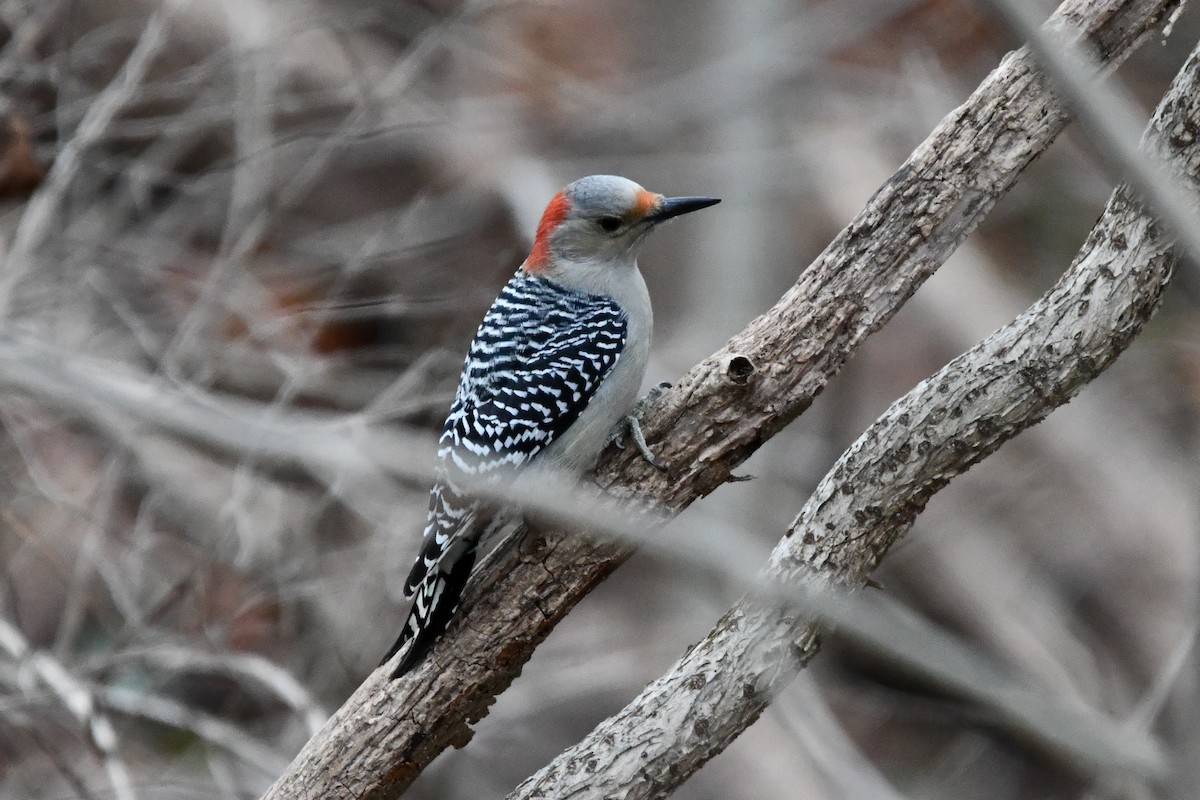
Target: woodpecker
(554,368)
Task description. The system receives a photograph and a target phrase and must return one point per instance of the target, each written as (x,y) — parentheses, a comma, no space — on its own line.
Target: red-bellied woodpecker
(555,366)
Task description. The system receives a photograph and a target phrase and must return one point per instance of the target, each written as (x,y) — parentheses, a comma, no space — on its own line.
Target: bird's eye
(609,224)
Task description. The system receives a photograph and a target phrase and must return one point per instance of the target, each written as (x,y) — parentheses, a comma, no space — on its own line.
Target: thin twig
(78,700)
(42,216)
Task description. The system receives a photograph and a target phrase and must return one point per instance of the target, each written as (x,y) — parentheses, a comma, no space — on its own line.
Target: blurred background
(303,207)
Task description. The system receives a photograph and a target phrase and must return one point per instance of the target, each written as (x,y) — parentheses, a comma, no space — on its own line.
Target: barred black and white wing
(537,360)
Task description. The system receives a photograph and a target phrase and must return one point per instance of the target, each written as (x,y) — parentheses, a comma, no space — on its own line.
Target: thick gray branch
(946,424)
(718,414)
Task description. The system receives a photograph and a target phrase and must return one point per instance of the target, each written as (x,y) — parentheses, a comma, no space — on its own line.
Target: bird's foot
(631,426)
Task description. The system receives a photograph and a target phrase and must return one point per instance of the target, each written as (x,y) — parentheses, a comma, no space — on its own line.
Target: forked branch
(949,422)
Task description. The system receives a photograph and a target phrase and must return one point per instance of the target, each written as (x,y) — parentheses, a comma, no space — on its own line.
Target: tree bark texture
(946,424)
(717,415)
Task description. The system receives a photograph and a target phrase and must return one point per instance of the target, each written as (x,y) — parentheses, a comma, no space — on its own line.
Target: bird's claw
(639,441)
(631,425)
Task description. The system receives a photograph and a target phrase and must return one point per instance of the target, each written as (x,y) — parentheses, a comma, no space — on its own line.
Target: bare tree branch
(561,503)
(718,414)
(1110,118)
(949,422)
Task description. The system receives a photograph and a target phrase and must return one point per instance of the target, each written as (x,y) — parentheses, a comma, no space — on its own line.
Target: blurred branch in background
(244,246)
(75,698)
(346,454)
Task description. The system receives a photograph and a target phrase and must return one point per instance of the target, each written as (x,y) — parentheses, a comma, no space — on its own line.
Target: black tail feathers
(435,601)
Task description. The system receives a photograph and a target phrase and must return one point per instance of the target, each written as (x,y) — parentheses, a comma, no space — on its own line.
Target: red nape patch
(556,212)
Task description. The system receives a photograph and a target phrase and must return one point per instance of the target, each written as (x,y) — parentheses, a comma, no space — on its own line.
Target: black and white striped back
(537,360)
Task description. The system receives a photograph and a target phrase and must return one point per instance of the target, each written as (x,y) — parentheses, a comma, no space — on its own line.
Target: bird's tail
(434,603)
(439,573)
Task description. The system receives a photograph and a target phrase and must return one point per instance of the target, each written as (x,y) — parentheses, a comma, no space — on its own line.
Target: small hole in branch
(739,369)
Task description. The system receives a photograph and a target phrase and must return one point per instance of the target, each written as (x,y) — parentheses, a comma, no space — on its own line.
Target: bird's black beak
(674,206)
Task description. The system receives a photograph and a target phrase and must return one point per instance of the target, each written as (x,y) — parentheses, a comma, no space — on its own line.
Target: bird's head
(599,222)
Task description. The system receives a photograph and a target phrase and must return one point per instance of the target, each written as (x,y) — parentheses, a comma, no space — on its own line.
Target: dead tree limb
(718,414)
(870,498)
